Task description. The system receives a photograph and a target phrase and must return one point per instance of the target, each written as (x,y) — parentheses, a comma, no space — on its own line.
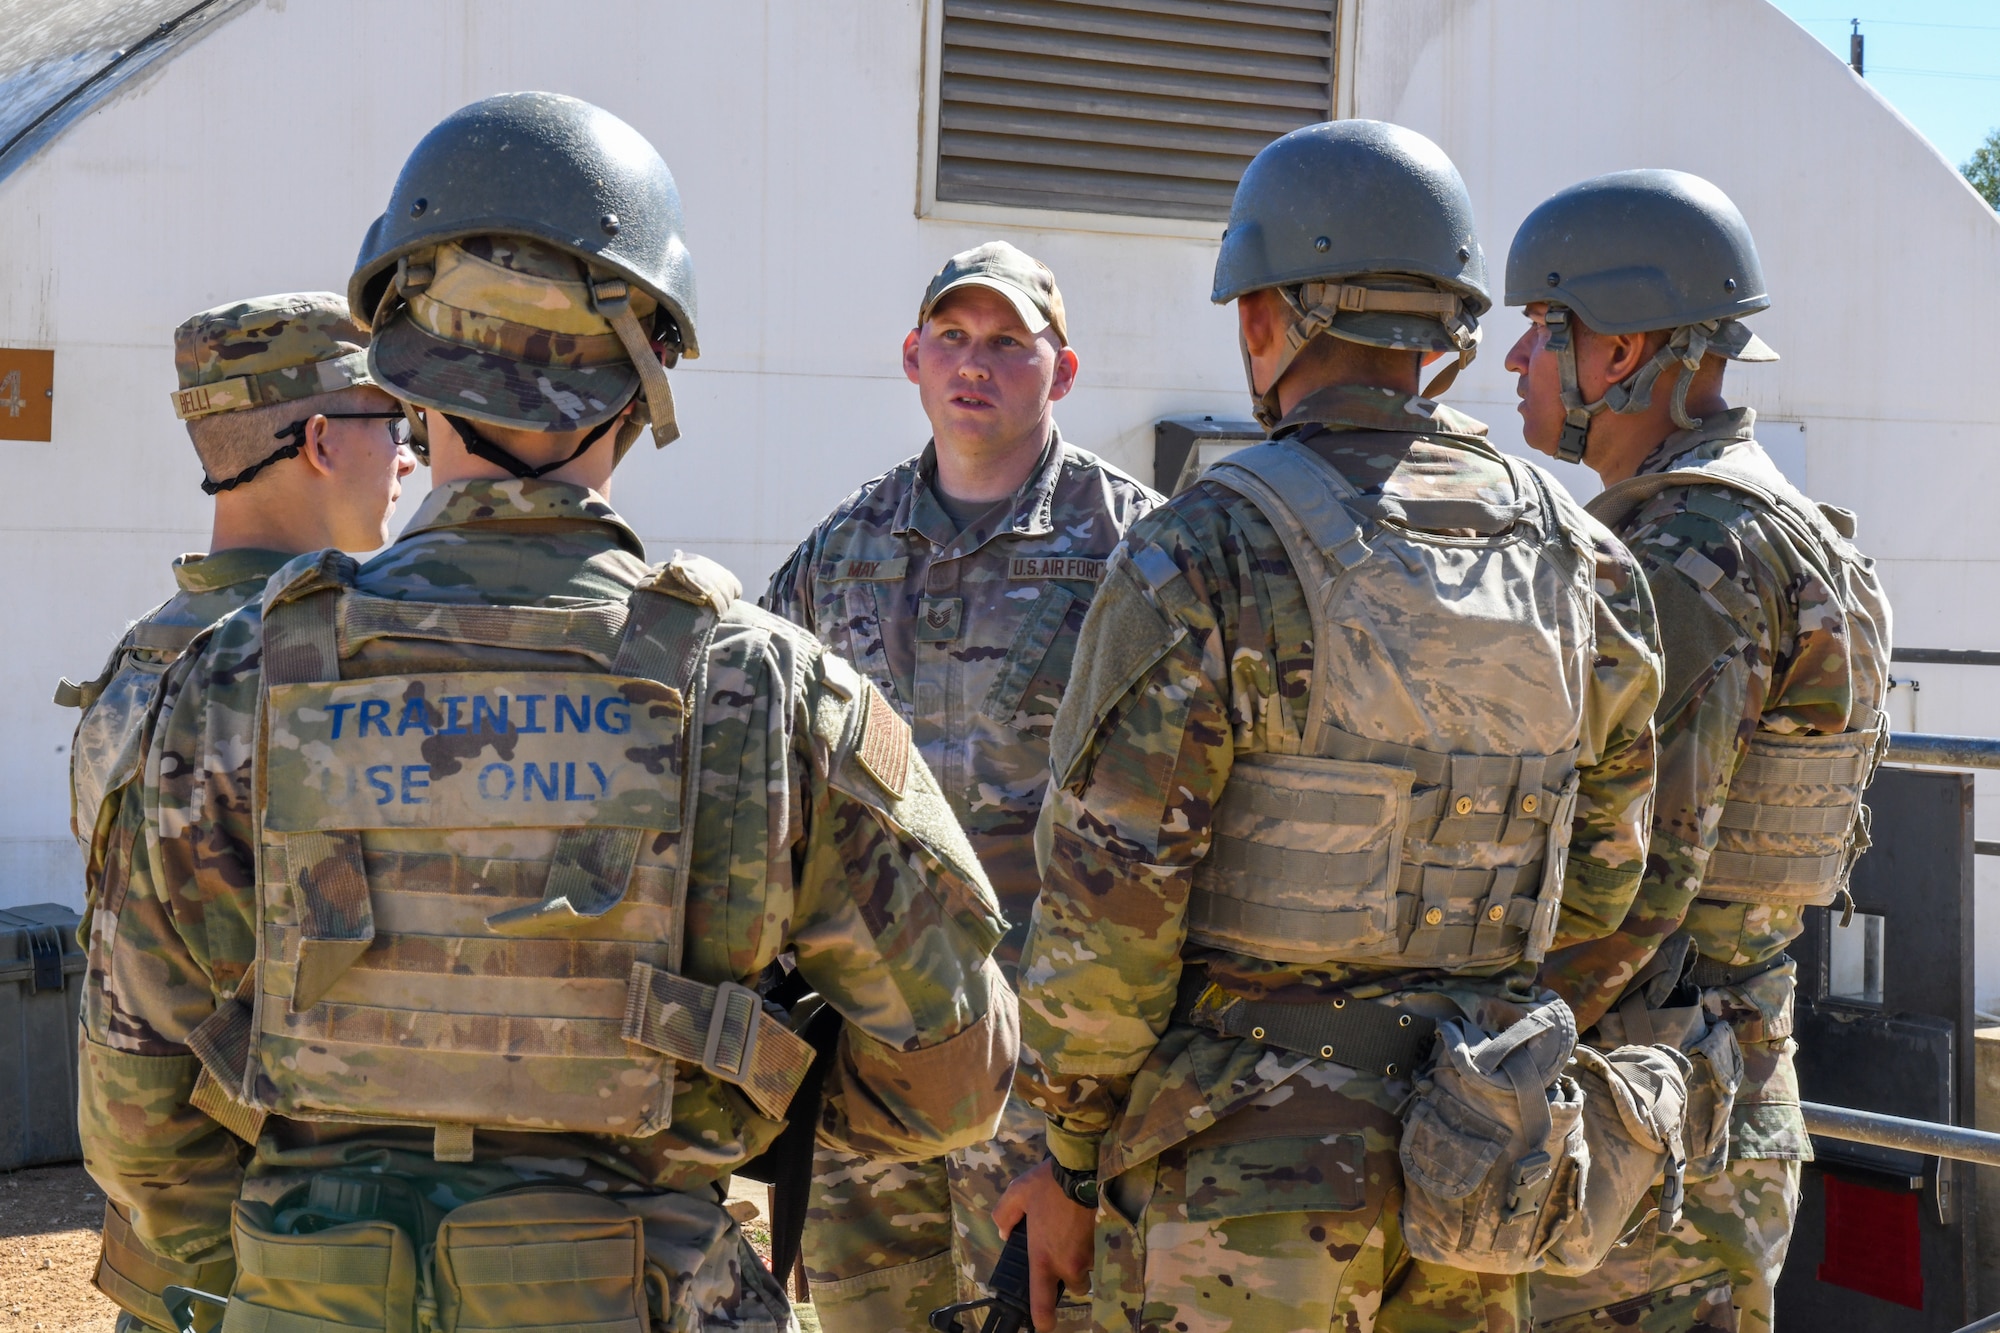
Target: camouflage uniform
(1758,641)
(970,635)
(1242,1186)
(247,354)
(782,840)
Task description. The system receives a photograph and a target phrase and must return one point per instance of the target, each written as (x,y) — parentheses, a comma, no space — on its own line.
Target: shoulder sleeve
(896,926)
(791,590)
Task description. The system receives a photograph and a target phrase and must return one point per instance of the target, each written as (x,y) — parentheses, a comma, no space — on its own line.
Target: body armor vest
(105,752)
(1794,822)
(472,883)
(1422,820)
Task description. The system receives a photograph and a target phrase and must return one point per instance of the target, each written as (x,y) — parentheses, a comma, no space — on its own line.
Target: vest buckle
(732,1026)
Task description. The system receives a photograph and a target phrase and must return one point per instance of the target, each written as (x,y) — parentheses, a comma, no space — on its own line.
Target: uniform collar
(1710,440)
(464,504)
(1364,407)
(226,569)
(1031,513)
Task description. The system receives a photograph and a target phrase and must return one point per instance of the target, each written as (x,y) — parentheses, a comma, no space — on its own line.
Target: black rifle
(1007,1307)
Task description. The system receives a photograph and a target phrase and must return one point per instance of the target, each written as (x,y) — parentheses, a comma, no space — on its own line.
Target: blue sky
(1937,61)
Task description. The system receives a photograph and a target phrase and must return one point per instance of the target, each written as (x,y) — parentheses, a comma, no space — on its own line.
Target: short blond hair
(228,442)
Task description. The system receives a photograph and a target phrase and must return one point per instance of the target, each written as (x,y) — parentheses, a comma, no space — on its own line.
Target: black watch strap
(1079,1187)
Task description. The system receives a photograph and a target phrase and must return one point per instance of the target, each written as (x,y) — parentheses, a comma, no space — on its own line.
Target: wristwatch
(1079,1187)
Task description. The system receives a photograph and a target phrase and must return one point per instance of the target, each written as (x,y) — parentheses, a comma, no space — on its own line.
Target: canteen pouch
(1634,1107)
(543,1257)
(1493,1148)
(1712,1081)
(359,1276)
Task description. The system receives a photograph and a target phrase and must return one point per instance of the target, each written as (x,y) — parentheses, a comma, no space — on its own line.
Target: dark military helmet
(1346,198)
(549,167)
(1636,251)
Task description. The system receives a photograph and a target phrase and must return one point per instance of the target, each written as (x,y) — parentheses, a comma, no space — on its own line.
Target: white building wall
(254,161)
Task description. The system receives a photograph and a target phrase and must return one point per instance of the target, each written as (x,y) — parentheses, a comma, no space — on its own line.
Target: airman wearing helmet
(474,851)
(1317,688)
(1770,722)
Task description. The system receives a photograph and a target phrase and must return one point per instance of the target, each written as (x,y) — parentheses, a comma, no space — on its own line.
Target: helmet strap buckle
(612,298)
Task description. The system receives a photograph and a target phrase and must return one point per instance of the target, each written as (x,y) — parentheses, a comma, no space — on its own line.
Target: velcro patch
(1088,569)
(866,571)
(486,749)
(207,399)
(885,745)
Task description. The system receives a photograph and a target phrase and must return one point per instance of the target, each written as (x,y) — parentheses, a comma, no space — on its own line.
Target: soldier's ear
(1067,366)
(317,453)
(910,342)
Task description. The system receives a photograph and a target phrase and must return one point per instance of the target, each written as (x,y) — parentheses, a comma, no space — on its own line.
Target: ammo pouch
(1712,1082)
(1634,1106)
(536,1258)
(1493,1148)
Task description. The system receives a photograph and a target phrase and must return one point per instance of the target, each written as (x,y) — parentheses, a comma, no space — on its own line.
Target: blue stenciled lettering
(451,722)
(579,720)
(603,783)
(415,778)
(530,779)
(374,776)
(376,711)
(339,711)
(416,713)
(606,715)
(569,785)
(485,776)
(528,702)
(484,718)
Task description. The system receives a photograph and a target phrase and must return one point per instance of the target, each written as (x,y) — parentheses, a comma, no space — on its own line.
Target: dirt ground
(49,1223)
(50,1219)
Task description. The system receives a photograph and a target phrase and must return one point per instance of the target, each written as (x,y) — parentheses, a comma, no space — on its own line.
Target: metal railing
(1915,747)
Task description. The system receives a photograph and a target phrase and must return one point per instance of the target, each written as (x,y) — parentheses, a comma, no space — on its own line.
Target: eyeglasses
(399,425)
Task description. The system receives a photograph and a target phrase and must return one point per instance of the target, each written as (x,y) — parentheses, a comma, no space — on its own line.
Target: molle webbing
(593,631)
(172,640)
(483,981)
(1361,1034)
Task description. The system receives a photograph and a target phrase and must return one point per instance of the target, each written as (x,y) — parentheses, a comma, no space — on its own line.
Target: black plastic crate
(41,999)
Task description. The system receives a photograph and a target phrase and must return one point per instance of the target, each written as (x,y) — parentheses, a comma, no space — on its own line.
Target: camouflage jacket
(105,751)
(1133,815)
(889,918)
(970,634)
(1789,672)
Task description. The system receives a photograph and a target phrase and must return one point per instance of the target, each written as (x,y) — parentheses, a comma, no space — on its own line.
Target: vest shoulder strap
(1312,498)
(1746,470)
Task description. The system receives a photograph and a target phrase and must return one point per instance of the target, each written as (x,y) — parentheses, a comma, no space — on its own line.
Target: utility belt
(1368,1035)
(1520,1151)
(369,1253)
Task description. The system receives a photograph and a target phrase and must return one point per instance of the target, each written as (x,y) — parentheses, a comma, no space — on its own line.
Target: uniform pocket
(1307,1174)
(542,1257)
(1030,686)
(360,1276)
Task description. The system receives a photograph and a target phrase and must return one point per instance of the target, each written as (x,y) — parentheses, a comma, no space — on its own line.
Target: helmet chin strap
(480,447)
(1316,304)
(1632,394)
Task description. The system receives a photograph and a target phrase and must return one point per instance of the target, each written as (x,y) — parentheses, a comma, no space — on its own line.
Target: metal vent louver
(1146,107)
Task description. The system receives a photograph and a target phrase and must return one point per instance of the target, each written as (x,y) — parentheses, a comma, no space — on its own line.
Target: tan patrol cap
(268,349)
(1025,281)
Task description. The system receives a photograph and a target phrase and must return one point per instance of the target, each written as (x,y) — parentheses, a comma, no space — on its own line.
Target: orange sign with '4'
(27,392)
